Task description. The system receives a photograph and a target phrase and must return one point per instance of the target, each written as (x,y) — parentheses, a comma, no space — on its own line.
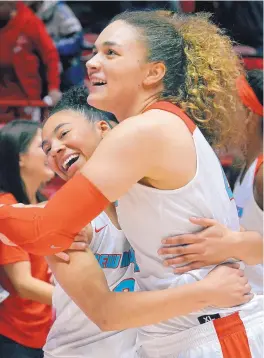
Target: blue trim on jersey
(227,186)
(240,211)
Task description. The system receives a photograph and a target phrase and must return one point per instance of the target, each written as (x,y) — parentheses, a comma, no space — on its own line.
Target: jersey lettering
(113,261)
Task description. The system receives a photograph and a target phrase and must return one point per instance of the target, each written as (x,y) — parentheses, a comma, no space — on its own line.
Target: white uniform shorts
(239,335)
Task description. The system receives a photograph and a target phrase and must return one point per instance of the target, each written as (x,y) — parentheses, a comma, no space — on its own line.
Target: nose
(94,63)
(56,148)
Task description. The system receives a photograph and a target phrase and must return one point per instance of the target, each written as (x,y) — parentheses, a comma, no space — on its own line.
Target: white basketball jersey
(251,218)
(73,335)
(147,215)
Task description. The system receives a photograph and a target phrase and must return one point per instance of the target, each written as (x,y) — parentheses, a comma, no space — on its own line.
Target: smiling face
(69,139)
(33,163)
(117,69)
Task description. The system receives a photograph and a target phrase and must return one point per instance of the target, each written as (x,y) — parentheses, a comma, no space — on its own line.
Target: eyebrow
(55,130)
(107,43)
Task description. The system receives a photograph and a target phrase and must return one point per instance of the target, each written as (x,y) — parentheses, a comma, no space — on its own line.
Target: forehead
(70,117)
(122,34)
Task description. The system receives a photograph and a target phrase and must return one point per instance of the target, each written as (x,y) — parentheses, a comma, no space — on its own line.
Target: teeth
(96,82)
(64,165)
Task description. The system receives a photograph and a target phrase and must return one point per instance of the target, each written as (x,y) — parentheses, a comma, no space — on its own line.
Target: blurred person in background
(248,191)
(25,46)
(242,20)
(67,33)
(26,315)
(217,243)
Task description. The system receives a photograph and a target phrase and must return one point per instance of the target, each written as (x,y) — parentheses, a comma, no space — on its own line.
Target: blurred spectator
(243,21)
(26,315)
(66,31)
(24,46)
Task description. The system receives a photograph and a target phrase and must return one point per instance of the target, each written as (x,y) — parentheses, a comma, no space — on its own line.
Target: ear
(21,160)
(103,127)
(249,117)
(155,73)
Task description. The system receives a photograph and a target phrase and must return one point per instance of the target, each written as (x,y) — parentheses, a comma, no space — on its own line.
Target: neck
(254,149)
(135,109)
(31,187)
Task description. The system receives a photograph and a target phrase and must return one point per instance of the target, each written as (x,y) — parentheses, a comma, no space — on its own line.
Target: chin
(97,101)
(48,175)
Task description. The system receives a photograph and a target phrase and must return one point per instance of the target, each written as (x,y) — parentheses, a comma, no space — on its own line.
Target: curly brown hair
(212,72)
(201,70)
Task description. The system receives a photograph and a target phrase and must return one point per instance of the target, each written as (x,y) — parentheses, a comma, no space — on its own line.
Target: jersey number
(127,285)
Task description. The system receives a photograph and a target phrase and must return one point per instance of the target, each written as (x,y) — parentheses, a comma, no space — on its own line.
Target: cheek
(90,146)
(85,143)
(52,165)
(39,157)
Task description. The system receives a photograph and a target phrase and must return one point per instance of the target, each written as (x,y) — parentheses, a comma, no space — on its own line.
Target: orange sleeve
(11,254)
(46,231)
(259,163)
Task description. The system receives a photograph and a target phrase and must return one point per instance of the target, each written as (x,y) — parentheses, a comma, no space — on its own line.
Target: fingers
(75,246)
(81,237)
(247,289)
(248,297)
(232,265)
(241,273)
(203,221)
(192,266)
(180,259)
(78,246)
(182,239)
(63,256)
(181,250)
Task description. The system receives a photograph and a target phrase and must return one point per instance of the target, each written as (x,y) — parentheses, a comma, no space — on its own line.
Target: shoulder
(7,198)
(63,13)
(152,122)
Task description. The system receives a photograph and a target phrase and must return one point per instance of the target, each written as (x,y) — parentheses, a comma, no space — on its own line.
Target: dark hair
(255,79)
(15,138)
(201,69)
(75,99)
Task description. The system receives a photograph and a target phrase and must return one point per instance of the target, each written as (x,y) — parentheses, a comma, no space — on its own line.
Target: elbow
(22,291)
(105,319)
(106,325)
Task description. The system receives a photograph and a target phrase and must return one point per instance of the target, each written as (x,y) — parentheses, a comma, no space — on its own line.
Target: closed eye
(63,134)
(111,52)
(46,150)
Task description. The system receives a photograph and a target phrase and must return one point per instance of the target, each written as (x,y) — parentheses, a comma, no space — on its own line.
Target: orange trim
(259,163)
(248,97)
(232,337)
(170,107)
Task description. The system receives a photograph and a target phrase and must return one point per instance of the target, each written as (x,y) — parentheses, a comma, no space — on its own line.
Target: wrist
(236,246)
(204,293)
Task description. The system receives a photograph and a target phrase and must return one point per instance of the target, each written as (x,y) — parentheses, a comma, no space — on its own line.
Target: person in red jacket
(26,315)
(24,45)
